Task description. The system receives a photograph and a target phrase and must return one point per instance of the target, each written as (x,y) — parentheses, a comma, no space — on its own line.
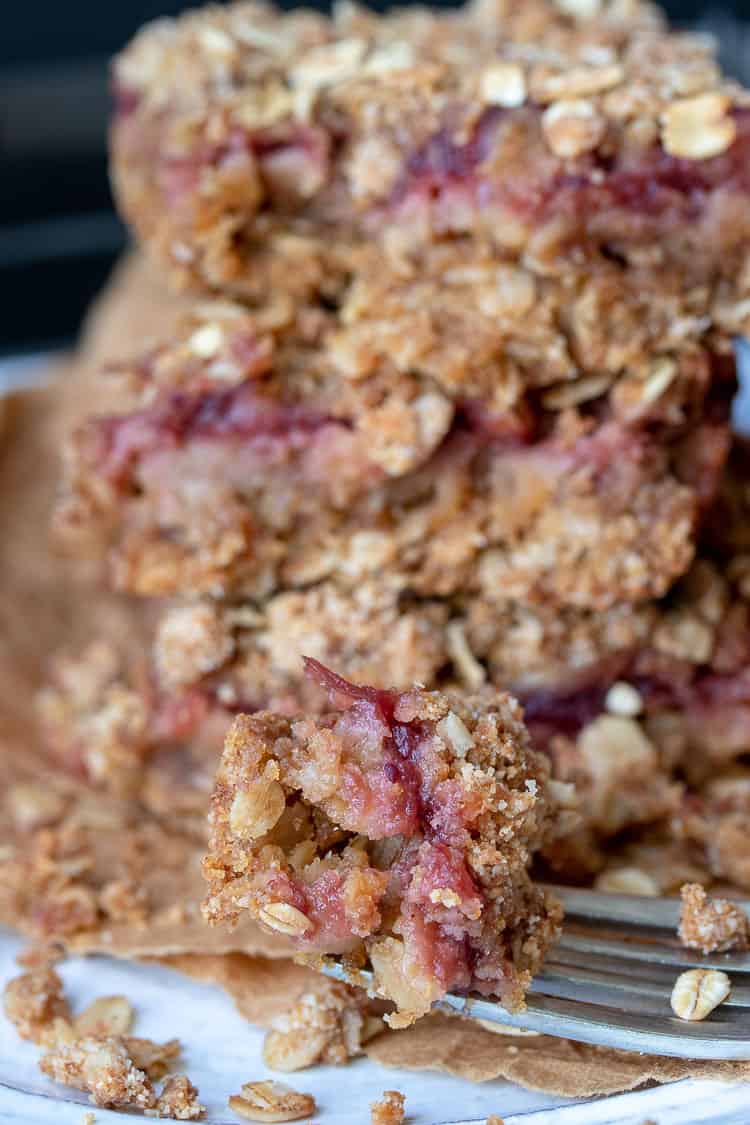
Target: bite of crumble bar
(399,830)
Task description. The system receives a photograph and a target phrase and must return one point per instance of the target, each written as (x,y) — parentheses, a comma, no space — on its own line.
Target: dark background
(58,233)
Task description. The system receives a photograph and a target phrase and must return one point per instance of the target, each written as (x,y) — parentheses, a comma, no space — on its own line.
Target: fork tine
(560,978)
(636,910)
(621,945)
(625,969)
(727,1037)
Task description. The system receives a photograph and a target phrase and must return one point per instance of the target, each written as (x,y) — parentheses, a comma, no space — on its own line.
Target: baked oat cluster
(397,831)
(447,410)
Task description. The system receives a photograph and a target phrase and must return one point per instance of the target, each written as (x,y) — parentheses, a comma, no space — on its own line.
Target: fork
(609,979)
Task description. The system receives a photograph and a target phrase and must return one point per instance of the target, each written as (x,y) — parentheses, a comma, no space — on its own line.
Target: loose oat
(285,918)
(106,1016)
(627,881)
(503,84)
(271,1101)
(623,699)
(698,991)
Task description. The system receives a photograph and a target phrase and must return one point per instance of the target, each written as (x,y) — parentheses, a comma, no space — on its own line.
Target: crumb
(88,1119)
(711,925)
(271,1101)
(178,1100)
(33,1001)
(104,1068)
(389,1110)
(329,1025)
(40,955)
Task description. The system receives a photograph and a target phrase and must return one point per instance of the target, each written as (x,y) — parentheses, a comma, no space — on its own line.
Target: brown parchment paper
(45,604)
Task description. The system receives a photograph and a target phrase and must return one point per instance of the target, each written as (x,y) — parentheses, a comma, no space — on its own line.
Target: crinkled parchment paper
(45,604)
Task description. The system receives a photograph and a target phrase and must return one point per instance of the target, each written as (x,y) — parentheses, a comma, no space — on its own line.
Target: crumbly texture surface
(265,451)
(397,830)
(593,129)
(711,925)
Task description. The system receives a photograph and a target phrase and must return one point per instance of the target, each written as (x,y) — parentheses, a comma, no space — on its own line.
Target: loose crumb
(711,925)
(179,1100)
(33,1001)
(389,1110)
(104,1068)
(88,1119)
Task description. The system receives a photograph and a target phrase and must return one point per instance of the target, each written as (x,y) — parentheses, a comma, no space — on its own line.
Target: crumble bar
(398,829)
(248,464)
(562,137)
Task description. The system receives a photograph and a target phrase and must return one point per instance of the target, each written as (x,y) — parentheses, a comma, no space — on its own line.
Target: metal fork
(609,979)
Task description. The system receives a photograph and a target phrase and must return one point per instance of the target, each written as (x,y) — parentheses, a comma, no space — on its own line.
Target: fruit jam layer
(650,184)
(504,172)
(243,416)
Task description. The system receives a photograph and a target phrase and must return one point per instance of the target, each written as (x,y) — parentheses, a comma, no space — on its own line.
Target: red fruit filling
(239,413)
(650,184)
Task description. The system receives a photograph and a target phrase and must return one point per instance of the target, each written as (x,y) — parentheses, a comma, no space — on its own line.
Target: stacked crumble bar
(450,408)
